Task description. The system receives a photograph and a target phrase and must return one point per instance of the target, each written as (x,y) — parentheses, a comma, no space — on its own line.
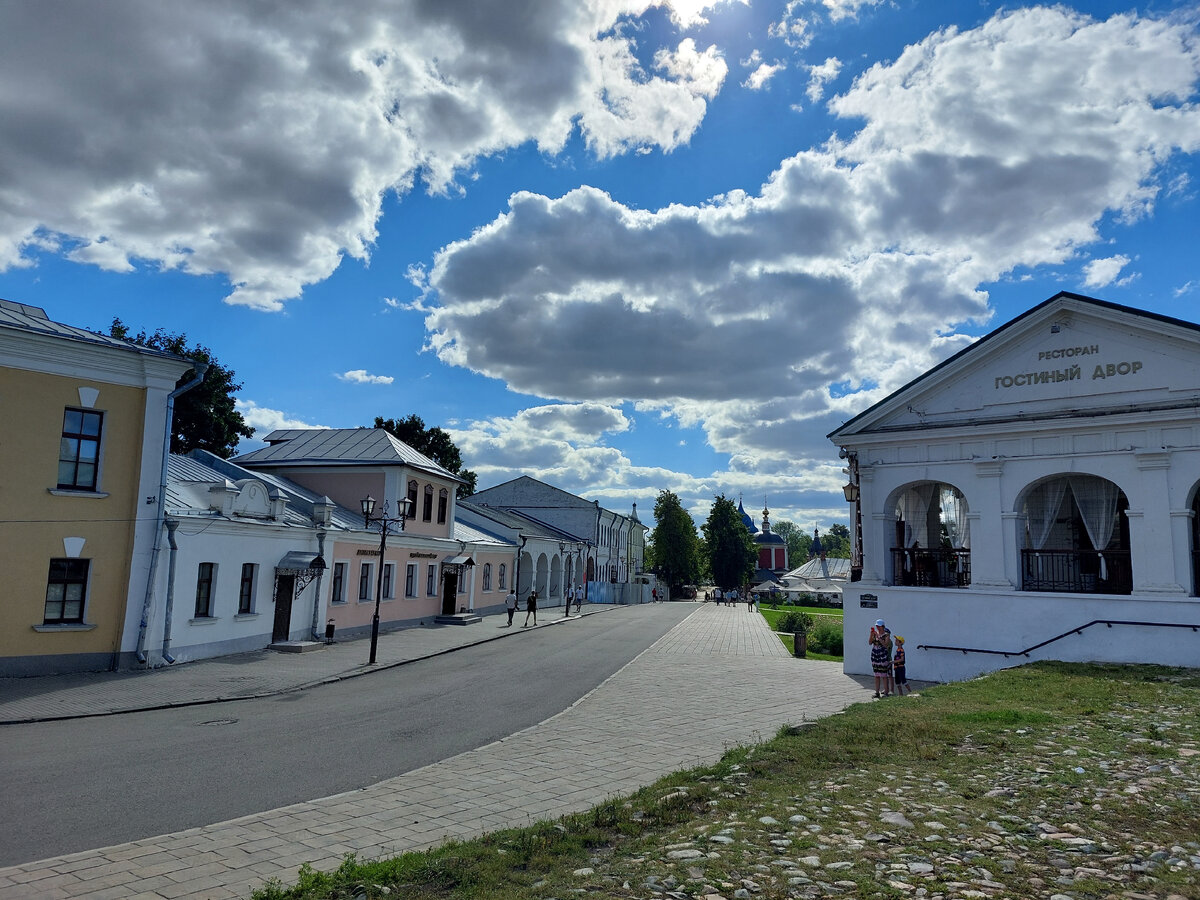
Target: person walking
(531,609)
(579,599)
(510,605)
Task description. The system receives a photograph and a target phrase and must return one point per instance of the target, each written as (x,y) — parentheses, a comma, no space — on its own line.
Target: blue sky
(619,245)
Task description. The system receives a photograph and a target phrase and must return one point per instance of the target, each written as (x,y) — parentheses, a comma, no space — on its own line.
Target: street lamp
(385,522)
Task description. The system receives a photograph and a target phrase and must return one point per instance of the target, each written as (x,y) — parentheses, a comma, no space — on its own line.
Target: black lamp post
(385,522)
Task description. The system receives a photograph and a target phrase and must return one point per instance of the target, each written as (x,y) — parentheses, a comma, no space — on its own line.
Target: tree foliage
(674,541)
(731,549)
(836,542)
(434,443)
(798,542)
(206,417)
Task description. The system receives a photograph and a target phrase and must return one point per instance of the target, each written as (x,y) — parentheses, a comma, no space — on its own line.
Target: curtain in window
(913,508)
(1097,502)
(954,518)
(1041,509)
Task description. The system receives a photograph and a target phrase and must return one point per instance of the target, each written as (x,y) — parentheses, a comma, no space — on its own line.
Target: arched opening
(1076,537)
(933,541)
(525,576)
(555,575)
(543,570)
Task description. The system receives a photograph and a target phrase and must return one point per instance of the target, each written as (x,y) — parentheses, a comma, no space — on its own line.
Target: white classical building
(1034,497)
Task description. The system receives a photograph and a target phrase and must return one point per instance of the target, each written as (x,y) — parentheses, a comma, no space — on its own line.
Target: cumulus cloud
(362,376)
(264,420)
(843,9)
(794,28)
(819,76)
(757,80)
(265,138)
(1100,273)
(768,317)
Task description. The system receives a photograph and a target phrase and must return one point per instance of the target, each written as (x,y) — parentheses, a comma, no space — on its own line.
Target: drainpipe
(201,369)
(171,524)
(316,622)
(517,567)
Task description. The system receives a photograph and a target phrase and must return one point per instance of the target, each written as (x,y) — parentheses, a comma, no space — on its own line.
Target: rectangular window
(246,592)
(410,580)
(66,591)
(364,581)
(338,593)
(431,581)
(79,450)
(204,590)
(443,501)
(389,571)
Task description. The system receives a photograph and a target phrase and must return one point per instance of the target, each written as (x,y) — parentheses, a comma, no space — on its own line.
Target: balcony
(1076,571)
(931,568)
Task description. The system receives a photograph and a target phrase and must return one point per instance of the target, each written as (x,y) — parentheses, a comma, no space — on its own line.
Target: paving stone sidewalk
(718,679)
(246,675)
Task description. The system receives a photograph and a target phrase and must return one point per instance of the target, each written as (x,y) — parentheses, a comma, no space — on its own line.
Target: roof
(836,568)
(1062,298)
(339,446)
(518,521)
(34,319)
(746,520)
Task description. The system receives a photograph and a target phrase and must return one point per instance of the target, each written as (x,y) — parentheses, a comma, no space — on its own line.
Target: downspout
(171,524)
(316,620)
(201,369)
(517,567)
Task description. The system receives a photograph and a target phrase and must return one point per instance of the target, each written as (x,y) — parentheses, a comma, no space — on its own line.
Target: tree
(731,549)
(836,542)
(798,542)
(434,443)
(674,541)
(206,417)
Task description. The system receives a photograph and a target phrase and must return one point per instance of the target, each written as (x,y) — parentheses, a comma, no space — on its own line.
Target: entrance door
(285,587)
(449,593)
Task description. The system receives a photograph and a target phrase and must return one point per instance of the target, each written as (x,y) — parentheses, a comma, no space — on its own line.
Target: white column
(1158,565)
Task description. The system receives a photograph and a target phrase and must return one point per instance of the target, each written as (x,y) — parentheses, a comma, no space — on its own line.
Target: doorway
(285,589)
(449,593)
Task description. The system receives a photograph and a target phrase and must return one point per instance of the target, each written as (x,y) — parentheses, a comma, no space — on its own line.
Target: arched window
(503,576)
(412,497)
(487,576)
(427,510)
(1076,536)
(932,546)
(443,504)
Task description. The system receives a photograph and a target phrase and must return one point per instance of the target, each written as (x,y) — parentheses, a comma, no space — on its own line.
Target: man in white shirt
(510,604)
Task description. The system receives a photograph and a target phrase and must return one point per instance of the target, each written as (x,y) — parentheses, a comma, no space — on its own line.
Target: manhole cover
(220,722)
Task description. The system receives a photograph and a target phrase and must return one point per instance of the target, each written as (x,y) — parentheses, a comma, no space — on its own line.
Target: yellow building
(82,430)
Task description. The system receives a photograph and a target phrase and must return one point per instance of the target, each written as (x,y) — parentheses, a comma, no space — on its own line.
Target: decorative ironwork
(1077,571)
(927,567)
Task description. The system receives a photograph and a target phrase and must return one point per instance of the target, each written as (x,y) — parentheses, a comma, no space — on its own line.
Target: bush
(826,637)
(795,623)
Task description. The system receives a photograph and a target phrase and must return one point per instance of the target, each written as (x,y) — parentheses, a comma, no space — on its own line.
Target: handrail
(1109,622)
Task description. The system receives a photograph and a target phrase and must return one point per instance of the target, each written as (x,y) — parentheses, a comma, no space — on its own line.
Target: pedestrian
(899,675)
(531,609)
(566,604)
(881,657)
(654,595)
(570,597)
(510,604)
(579,599)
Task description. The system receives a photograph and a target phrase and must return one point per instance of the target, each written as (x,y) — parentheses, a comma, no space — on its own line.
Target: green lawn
(819,614)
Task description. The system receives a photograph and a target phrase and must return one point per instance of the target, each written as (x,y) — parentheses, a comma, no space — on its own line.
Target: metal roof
(339,446)
(34,319)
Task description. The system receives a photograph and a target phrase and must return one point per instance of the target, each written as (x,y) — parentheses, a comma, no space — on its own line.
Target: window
(443,503)
(487,576)
(431,580)
(412,496)
(204,590)
(79,450)
(246,592)
(410,580)
(389,570)
(66,590)
(427,509)
(364,581)
(338,594)
(503,576)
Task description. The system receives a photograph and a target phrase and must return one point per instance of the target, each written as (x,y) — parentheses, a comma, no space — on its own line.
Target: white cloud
(1100,273)
(258,142)
(819,76)
(769,317)
(264,420)
(758,79)
(793,29)
(362,376)
(843,9)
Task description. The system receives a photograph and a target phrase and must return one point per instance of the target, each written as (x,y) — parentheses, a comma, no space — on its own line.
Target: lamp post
(853,492)
(385,522)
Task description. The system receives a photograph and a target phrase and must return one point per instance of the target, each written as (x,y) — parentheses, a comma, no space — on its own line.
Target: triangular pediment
(1070,356)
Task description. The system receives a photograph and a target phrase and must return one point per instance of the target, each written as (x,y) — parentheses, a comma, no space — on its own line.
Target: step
(296,646)
(458,619)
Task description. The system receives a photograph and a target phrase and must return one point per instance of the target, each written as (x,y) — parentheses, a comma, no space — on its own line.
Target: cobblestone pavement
(718,679)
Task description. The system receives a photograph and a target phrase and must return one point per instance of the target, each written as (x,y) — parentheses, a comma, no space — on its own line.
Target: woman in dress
(881,657)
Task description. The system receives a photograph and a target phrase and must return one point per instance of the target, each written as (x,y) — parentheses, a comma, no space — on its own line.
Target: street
(80,784)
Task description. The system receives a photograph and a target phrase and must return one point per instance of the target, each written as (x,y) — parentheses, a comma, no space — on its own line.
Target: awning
(296,561)
(458,561)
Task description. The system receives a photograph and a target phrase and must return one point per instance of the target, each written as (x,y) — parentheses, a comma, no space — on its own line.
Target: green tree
(206,416)
(434,443)
(731,549)
(836,542)
(674,540)
(798,542)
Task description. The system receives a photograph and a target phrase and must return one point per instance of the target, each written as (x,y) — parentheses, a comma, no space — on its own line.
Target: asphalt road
(87,783)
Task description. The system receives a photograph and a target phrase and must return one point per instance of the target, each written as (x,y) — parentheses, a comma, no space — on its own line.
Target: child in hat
(898,673)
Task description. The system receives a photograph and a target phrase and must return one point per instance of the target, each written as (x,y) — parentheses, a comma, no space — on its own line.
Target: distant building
(772,548)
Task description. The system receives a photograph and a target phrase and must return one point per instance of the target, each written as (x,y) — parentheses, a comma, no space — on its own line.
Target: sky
(621,246)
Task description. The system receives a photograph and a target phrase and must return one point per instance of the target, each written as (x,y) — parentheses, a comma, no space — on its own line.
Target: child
(881,657)
(898,673)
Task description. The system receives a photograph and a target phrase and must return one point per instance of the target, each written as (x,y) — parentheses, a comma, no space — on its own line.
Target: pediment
(1070,355)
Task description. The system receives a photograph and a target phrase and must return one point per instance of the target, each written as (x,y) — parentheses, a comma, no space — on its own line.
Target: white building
(1035,497)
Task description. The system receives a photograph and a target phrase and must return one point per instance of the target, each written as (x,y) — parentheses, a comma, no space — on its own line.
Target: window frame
(427,504)
(487,577)
(248,589)
(365,571)
(410,580)
(443,506)
(66,579)
(80,436)
(337,584)
(502,577)
(431,580)
(206,580)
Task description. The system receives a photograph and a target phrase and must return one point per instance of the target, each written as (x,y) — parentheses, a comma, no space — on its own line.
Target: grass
(823,618)
(1049,779)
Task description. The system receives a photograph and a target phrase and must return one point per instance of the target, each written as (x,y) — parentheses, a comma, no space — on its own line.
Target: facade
(615,543)
(1034,497)
(81,464)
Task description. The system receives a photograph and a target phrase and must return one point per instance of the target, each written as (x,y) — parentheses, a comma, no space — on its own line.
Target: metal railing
(1077,571)
(922,567)
(1058,637)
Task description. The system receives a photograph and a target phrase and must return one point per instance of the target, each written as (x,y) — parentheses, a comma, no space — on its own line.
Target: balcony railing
(922,567)
(1077,571)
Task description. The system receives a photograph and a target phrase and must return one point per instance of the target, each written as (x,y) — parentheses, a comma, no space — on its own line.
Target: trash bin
(329,632)
(800,645)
